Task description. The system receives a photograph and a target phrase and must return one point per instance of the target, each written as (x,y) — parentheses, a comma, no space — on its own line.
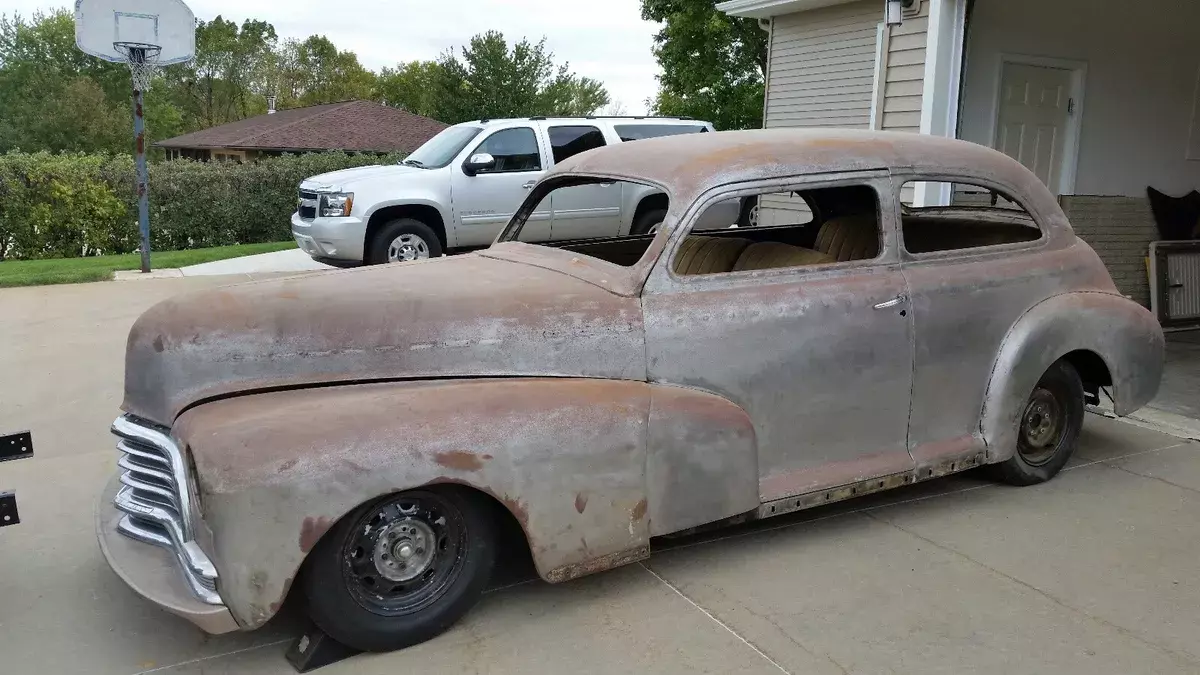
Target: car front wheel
(1048,428)
(401,570)
(401,240)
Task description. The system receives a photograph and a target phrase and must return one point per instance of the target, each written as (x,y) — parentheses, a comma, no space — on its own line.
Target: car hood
(347,179)
(463,316)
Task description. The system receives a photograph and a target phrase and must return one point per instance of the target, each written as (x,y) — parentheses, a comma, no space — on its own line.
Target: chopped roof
(363,126)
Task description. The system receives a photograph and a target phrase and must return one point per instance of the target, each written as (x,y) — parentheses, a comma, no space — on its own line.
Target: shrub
(72,205)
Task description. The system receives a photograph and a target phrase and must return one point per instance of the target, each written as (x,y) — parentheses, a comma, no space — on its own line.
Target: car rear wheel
(401,570)
(649,221)
(1048,428)
(403,239)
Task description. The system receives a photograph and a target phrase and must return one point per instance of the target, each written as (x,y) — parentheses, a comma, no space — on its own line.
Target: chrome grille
(308,204)
(156,501)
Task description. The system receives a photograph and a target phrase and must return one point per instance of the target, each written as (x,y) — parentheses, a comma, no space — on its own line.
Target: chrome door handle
(891,303)
(529,185)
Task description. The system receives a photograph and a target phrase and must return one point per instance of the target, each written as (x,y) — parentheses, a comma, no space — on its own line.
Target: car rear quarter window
(963,216)
(568,141)
(637,132)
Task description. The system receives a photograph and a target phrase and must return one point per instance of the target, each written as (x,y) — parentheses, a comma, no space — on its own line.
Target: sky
(603,39)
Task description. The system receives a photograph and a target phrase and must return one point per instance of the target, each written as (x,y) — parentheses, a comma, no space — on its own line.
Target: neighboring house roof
(350,125)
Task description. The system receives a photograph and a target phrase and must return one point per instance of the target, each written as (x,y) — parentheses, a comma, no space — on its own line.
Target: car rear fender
(566,456)
(1122,333)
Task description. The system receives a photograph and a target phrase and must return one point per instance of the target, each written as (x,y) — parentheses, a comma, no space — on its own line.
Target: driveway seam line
(715,620)
(1185,657)
(1120,457)
(202,659)
(1161,480)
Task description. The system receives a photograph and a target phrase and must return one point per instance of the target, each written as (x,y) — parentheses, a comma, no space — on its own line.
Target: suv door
(484,203)
(819,354)
(583,211)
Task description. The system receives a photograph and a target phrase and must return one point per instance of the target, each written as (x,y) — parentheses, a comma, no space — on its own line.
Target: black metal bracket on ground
(12,447)
(314,649)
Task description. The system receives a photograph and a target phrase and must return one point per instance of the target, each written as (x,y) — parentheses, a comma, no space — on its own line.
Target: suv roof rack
(537,118)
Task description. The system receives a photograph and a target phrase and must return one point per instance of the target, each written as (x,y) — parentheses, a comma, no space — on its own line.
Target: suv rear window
(637,132)
(570,141)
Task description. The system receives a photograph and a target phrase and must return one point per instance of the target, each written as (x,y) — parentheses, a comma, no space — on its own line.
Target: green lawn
(101,268)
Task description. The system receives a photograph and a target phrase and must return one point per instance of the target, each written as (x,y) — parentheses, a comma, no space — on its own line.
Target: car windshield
(441,149)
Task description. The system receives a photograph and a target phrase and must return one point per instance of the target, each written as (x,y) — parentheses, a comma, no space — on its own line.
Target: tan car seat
(770,255)
(849,238)
(708,255)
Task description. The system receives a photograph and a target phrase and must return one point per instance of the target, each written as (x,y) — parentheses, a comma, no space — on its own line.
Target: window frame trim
(474,151)
(956,254)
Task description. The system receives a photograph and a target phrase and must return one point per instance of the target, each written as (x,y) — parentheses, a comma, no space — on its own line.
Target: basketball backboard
(169,24)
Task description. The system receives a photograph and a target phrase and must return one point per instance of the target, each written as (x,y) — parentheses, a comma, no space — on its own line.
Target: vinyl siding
(903,73)
(822,67)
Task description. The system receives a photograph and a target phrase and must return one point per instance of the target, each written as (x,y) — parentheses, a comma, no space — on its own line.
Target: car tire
(370,600)
(403,239)
(649,221)
(1048,428)
(748,217)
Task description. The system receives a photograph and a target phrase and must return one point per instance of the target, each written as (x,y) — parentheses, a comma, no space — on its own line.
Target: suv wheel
(649,221)
(401,570)
(402,240)
(1048,428)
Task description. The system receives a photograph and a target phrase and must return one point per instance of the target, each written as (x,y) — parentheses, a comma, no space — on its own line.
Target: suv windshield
(439,150)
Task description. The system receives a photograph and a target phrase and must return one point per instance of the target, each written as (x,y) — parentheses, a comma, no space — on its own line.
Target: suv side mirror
(479,162)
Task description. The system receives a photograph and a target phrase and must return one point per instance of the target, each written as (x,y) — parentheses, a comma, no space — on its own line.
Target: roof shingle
(362,126)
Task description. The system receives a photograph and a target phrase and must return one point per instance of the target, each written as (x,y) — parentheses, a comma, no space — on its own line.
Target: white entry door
(1033,118)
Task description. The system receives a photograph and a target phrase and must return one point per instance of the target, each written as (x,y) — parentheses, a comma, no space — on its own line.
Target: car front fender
(566,456)
(1122,333)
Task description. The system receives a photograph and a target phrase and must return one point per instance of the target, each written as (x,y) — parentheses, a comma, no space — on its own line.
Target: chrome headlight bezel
(336,204)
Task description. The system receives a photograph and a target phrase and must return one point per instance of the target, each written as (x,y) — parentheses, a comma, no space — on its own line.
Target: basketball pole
(143,178)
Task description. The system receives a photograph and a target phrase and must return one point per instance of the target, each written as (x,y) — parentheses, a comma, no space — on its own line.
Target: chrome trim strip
(156,499)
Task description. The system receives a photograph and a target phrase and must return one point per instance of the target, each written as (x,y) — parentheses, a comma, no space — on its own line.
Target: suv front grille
(155,499)
(308,204)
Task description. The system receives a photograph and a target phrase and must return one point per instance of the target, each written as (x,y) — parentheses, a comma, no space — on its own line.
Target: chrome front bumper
(331,238)
(151,501)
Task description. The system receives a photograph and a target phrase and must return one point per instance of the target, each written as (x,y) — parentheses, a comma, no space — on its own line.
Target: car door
(582,211)
(818,355)
(484,203)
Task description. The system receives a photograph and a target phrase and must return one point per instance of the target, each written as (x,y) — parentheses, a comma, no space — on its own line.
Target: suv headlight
(337,204)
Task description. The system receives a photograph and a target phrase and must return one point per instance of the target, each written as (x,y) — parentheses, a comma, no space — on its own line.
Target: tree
(314,71)
(222,83)
(714,65)
(410,86)
(491,80)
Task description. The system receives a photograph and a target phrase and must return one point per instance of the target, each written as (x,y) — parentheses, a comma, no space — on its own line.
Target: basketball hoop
(142,59)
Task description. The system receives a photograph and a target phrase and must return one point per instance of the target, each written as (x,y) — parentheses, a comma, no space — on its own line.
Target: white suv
(459,190)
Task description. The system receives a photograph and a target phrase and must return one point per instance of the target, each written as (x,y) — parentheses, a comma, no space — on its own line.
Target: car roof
(613,119)
(691,164)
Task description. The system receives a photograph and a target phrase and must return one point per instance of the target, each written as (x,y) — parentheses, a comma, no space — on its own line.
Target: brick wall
(1120,229)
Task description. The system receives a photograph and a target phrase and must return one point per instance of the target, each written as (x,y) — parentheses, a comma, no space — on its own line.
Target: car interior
(833,225)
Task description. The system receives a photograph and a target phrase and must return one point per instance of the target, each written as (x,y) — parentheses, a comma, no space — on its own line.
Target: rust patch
(593,565)
(460,460)
(312,530)
(519,510)
(639,510)
(288,464)
(580,502)
(158,344)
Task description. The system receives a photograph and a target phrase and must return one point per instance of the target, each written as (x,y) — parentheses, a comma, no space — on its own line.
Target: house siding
(822,67)
(902,73)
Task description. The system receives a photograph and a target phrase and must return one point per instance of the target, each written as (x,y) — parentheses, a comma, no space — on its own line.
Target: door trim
(1070,158)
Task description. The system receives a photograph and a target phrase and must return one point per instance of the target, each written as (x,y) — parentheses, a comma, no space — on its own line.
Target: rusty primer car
(365,437)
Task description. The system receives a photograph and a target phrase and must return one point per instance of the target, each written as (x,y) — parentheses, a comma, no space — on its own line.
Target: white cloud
(607,41)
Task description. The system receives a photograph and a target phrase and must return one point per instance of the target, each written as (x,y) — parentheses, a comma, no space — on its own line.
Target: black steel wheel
(1048,428)
(401,570)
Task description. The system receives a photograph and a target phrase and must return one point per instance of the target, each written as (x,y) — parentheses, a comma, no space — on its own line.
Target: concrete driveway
(1094,572)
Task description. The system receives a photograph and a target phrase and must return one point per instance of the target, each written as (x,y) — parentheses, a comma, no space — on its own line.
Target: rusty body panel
(602,405)
(273,477)
(464,316)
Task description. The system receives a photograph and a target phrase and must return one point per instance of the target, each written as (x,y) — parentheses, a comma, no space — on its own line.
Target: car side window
(962,216)
(798,228)
(568,141)
(637,132)
(514,149)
